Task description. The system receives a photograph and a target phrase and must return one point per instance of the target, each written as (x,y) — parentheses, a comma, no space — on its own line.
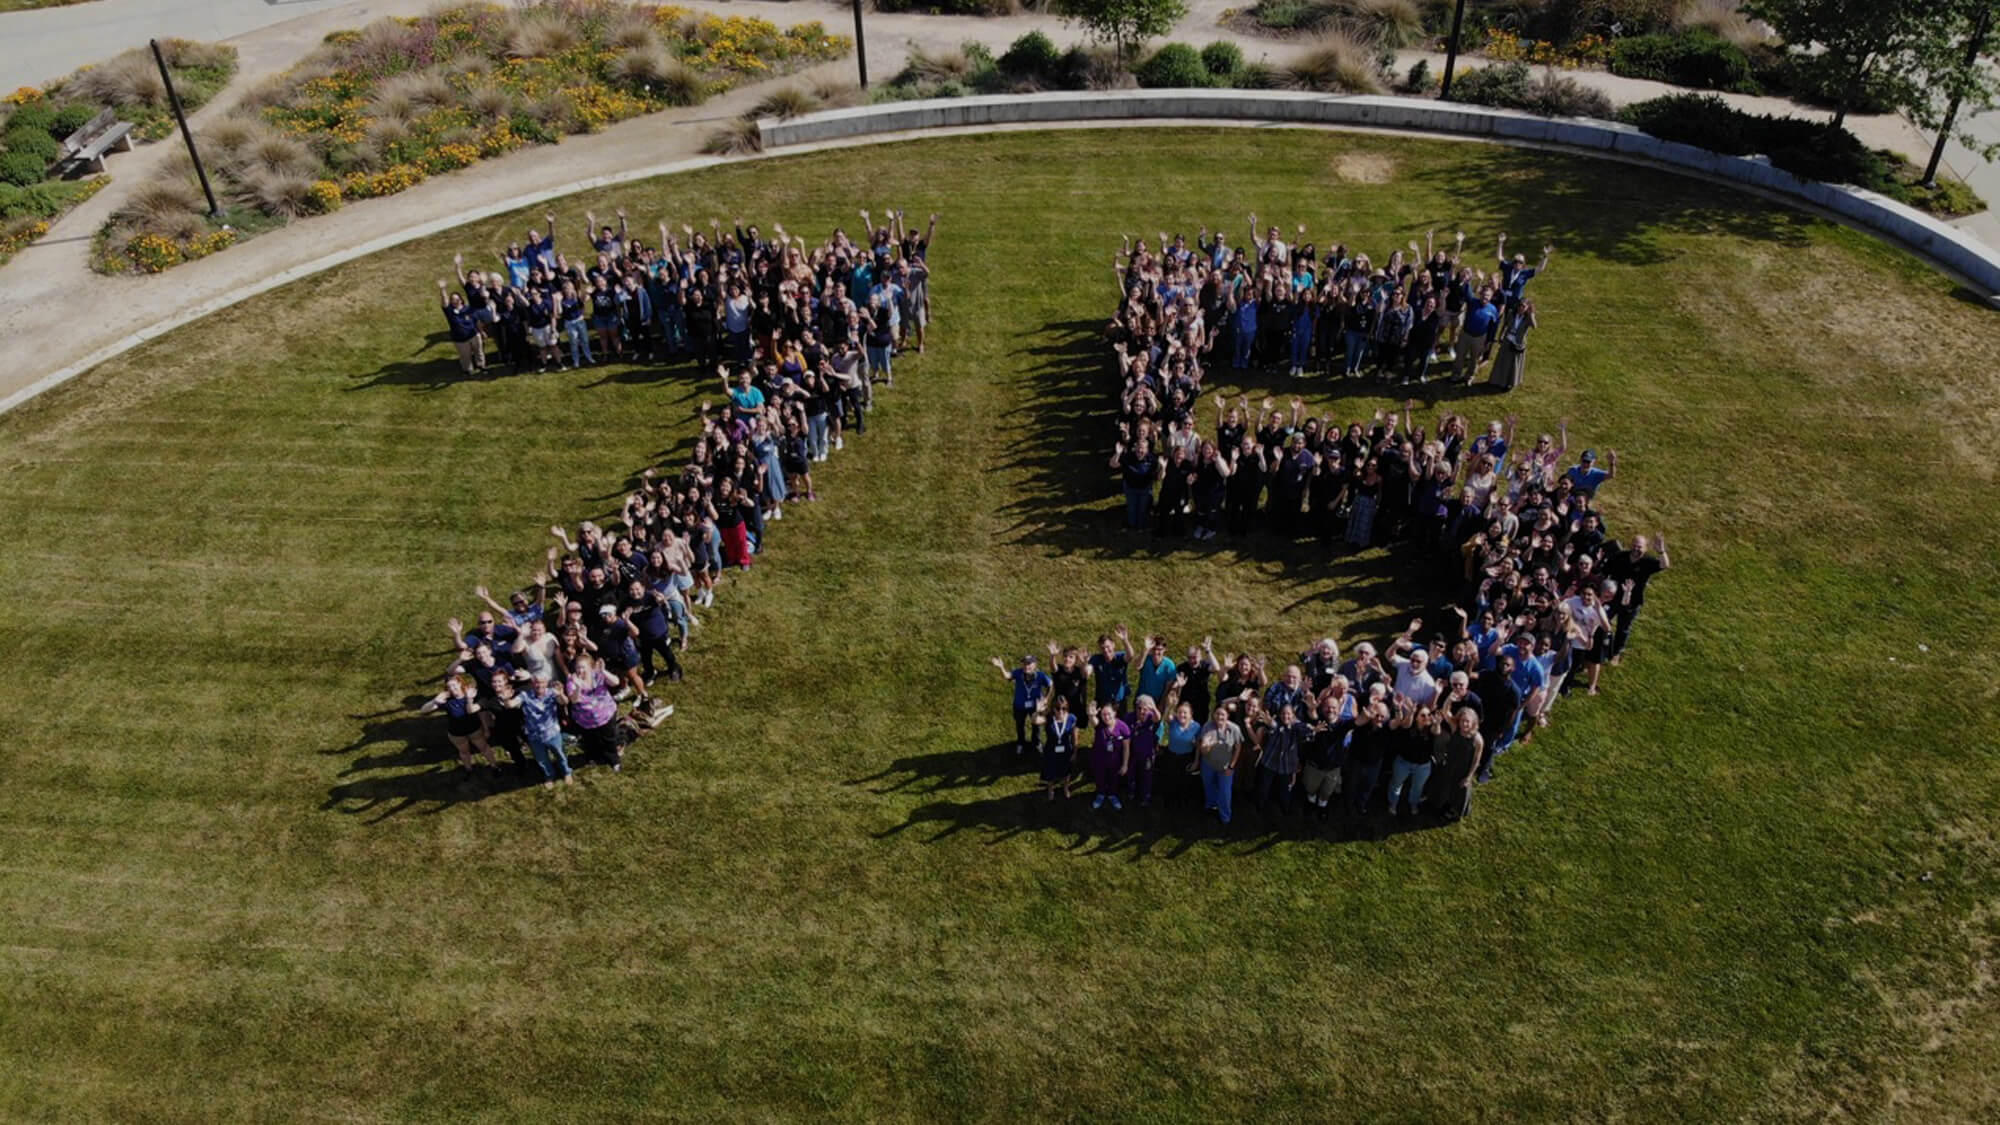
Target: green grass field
(1757,878)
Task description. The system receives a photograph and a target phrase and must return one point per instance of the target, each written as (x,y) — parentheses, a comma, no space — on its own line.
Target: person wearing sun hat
(1031,691)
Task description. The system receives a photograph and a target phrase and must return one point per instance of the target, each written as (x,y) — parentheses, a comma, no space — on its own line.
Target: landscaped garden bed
(376,111)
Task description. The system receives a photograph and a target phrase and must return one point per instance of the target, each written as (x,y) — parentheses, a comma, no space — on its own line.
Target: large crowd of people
(1541,596)
(796,337)
(1409,725)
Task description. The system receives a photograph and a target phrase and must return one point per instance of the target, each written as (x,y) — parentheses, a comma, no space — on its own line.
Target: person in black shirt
(1631,570)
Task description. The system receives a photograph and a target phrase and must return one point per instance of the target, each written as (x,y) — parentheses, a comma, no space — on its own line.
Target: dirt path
(47,282)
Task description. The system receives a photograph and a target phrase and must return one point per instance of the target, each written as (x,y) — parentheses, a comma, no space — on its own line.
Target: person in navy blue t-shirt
(1031,693)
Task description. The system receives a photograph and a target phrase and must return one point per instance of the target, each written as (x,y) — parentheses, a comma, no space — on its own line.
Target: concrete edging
(1939,242)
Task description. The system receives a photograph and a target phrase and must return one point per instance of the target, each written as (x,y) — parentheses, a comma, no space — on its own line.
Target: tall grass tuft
(786,101)
(1338,63)
(738,137)
(130,79)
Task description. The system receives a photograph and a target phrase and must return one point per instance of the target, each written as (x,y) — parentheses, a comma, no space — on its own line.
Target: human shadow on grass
(401,761)
(1167,828)
(1068,502)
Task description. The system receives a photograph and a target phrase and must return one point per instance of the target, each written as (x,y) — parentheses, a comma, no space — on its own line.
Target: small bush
(1259,76)
(1514,86)
(785,101)
(1338,63)
(130,79)
(1033,54)
(1297,15)
(833,93)
(1419,80)
(490,103)
(682,85)
(1816,80)
(1688,58)
(277,194)
(413,93)
(1696,119)
(1810,149)
(161,207)
(1390,24)
(736,138)
(282,155)
(537,35)
(935,66)
(1222,59)
(1174,65)
(37,114)
(70,118)
(22,168)
(188,54)
(1724,18)
(642,67)
(33,142)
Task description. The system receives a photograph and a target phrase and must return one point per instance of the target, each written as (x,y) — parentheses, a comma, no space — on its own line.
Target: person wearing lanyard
(1031,688)
(1059,748)
(1110,757)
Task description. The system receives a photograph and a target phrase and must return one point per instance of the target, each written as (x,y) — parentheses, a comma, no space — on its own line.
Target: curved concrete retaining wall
(1957,252)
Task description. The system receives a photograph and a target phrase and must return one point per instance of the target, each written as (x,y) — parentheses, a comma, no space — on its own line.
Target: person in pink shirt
(594,711)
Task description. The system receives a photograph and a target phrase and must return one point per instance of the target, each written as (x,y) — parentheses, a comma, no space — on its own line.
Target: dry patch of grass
(1364,168)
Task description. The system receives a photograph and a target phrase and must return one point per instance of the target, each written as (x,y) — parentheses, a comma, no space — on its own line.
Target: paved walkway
(54,274)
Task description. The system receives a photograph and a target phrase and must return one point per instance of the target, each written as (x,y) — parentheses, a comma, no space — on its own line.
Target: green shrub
(1174,65)
(1032,55)
(37,114)
(1810,149)
(22,168)
(44,200)
(1295,15)
(1815,80)
(1419,80)
(1694,119)
(1084,69)
(32,140)
(1258,76)
(70,118)
(1222,59)
(1514,86)
(1686,58)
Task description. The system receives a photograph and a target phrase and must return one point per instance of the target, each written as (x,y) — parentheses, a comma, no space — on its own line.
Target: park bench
(101,134)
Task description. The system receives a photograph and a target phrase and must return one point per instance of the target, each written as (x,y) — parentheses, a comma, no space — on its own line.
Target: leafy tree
(1955,84)
(1861,35)
(1124,23)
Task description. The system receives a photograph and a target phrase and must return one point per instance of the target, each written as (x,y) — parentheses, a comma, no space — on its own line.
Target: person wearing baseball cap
(1585,476)
(1031,691)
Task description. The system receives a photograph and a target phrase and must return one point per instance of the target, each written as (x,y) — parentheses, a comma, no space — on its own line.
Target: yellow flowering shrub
(326,196)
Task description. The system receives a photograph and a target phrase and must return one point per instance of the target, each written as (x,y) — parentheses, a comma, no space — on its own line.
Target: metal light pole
(1451,50)
(861,45)
(174,99)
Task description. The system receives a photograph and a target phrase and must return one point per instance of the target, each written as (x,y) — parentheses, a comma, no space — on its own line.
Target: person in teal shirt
(1157,670)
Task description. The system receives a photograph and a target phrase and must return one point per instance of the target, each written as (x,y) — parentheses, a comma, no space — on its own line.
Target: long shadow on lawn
(1168,828)
(1590,205)
(1068,501)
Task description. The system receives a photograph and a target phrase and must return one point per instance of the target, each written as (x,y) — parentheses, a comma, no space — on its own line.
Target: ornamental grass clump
(1338,63)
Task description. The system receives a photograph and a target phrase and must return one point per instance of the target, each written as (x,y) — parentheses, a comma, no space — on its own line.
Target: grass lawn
(1757,878)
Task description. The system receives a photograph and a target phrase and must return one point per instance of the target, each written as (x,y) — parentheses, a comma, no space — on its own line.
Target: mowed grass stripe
(819,893)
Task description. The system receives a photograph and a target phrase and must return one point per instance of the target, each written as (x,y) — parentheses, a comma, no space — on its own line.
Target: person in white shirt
(1589,627)
(1413,680)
